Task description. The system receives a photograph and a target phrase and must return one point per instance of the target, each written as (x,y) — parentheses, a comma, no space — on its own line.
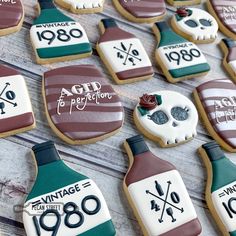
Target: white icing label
(162,202)
(57,34)
(71,210)
(224,201)
(14,97)
(125,54)
(178,56)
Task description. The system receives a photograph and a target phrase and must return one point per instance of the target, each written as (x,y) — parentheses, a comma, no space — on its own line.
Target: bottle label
(57,34)
(125,54)
(71,210)
(224,201)
(181,55)
(162,202)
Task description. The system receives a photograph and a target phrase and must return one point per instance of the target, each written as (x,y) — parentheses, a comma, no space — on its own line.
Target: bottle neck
(229,43)
(108,23)
(45,153)
(137,145)
(46,4)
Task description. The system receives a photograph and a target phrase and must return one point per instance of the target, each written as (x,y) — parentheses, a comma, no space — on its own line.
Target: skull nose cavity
(174,124)
(202,28)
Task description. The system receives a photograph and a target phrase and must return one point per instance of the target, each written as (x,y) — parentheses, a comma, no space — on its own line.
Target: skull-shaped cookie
(166,117)
(195,24)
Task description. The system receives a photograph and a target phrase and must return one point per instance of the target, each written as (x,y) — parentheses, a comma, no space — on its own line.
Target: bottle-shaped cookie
(157,194)
(178,58)
(221,187)
(63,202)
(228,47)
(57,37)
(123,54)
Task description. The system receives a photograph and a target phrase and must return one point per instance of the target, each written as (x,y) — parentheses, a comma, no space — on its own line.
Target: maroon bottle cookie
(11,16)
(81,106)
(141,11)
(16,114)
(157,193)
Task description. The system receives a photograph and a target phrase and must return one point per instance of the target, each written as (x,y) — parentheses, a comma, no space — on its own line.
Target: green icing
(233,233)
(224,173)
(53,176)
(190,70)
(50,16)
(106,228)
(62,51)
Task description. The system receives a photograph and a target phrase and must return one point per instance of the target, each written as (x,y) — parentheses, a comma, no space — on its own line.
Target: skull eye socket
(191,23)
(180,113)
(205,22)
(159,117)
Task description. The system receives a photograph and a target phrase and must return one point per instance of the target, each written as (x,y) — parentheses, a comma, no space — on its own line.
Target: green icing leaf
(158,99)
(143,111)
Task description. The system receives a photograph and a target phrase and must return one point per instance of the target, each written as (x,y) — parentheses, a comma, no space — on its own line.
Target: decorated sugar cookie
(225,13)
(16,114)
(81,106)
(11,16)
(68,204)
(56,37)
(220,189)
(178,58)
(229,48)
(141,11)
(166,117)
(216,102)
(195,24)
(157,194)
(82,6)
(183,2)
(123,54)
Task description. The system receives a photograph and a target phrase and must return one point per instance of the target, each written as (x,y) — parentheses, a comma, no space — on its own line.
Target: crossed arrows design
(156,207)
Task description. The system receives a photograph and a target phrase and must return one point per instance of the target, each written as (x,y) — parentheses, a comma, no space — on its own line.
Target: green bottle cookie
(221,187)
(63,202)
(178,58)
(56,37)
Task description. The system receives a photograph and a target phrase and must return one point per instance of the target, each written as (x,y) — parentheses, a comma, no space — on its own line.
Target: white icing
(200,32)
(232,64)
(71,28)
(21,103)
(227,196)
(167,132)
(118,58)
(90,221)
(150,218)
(85,4)
(171,53)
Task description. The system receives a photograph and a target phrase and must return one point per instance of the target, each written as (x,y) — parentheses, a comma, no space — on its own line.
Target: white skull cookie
(195,24)
(166,117)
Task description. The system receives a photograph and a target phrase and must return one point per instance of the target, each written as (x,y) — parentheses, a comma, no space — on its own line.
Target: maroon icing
(144,8)
(148,102)
(224,87)
(182,12)
(85,120)
(135,73)
(11,13)
(7,71)
(223,9)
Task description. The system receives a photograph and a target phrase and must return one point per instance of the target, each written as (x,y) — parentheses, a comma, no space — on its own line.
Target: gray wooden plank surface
(106,161)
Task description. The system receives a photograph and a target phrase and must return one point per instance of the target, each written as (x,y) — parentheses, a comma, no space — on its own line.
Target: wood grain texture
(106,161)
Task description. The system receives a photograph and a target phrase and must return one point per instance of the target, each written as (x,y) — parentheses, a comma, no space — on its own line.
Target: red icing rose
(182,12)
(148,102)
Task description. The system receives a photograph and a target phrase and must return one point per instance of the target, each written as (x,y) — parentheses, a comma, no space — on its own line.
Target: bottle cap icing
(16,114)
(11,16)
(229,48)
(173,120)
(178,58)
(123,54)
(197,26)
(69,204)
(56,37)
(157,193)
(82,6)
(220,191)
(81,106)
(225,13)
(216,101)
(141,11)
